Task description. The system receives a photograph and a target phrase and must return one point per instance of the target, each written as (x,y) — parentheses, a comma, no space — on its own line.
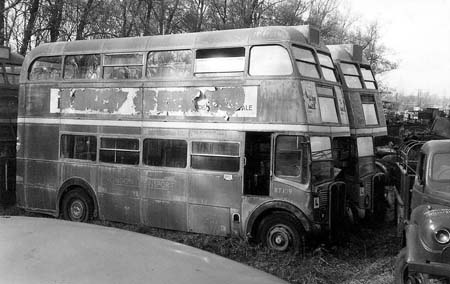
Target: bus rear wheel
(77,206)
(281,232)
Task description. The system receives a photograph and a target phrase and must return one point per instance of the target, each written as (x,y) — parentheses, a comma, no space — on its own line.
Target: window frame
(192,154)
(100,73)
(269,45)
(105,65)
(315,63)
(303,176)
(31,67)
(208,74)
(326,67)
(75,135)
(374,81)
(165,139)
(146,65)
(100,148)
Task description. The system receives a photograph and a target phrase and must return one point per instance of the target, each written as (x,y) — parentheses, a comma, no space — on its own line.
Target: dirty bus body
(206,132)
(10,64)
(367,121)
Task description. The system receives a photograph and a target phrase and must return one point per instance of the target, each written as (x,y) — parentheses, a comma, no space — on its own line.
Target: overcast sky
(418,34)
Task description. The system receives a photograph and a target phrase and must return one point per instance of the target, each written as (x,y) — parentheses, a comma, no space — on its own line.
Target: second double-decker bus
(10,64)
(223,133)
(364,180)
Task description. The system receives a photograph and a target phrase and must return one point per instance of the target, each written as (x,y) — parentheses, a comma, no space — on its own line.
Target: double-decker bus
(10,64)
(364,179)
(223,133)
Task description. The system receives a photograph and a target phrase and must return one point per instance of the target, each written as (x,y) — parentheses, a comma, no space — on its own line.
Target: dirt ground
(366,255)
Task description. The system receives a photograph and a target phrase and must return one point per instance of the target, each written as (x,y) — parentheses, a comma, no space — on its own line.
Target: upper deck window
(269,60)
(369,80)
(306,62)
(86,66)
(169,64)
(327,104)
(46,68)
(351,75)
(327,67)
(123,66)
(13,73)
(220,62)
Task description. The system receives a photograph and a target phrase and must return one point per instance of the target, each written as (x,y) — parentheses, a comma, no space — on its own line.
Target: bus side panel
(209,220)
(86,171)
(41,183)
(164,199)
(38,100)
(211,196)
(118,193)
(41,170)
(165,214)
(20,193)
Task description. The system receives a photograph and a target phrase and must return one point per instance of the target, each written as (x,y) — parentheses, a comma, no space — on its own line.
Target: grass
(365,255)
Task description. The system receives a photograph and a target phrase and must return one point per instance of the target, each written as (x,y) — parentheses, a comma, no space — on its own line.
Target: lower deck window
(165,153)
(291,158)
(79,147)
(215,156)
(119,151)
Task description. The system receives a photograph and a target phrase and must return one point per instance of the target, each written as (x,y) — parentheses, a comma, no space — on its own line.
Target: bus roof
(347,52)
(305,35)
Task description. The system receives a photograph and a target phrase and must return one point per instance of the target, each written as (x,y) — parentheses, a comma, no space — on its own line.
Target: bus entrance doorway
(257,166)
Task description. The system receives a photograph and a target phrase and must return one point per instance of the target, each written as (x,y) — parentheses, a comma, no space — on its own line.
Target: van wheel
(401,272)
(77,206)
(281,232)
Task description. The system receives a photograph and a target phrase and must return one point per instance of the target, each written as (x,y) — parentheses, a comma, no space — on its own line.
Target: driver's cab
(432,182)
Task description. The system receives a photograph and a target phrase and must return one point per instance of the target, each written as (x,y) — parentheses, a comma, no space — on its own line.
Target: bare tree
(33,12)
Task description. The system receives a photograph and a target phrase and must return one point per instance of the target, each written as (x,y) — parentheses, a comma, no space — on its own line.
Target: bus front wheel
(281,232)
(77,206)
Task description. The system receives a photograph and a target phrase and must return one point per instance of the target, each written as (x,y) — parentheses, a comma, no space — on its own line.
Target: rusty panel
(380,112)
(37,100)
(42,173)
(311,101)
(355,111)
(164,185)
(216,189)
(40,197)
(41,141)
(213,102)
(341,105)
(119,208)
(120,101)
(122,181)
(86,171)
(209,220)
(165,214)
(161,132)
(281,102)
(79,128)
(219,135)
(120,130)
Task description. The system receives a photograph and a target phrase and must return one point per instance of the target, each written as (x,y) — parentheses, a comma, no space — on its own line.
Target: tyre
(281,232)
(77,206)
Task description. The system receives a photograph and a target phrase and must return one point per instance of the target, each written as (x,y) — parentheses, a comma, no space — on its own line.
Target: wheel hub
(77,209)
(279,238)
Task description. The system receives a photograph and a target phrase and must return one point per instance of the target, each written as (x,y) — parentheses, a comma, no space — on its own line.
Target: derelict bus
(223,133)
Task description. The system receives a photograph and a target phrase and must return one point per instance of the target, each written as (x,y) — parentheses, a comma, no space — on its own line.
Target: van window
(440,169)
